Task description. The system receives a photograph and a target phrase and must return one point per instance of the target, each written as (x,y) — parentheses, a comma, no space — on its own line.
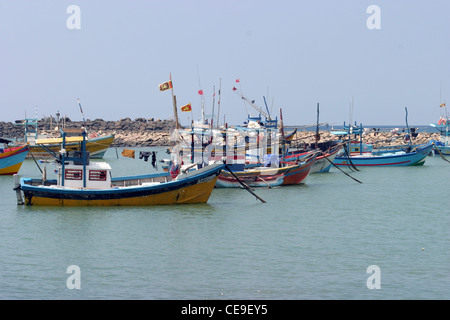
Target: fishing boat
(289,173)
(443,126)
(352,135)
(81,182)
(11,158)
(44,146)
(96,145)
(413,157)
(327,151)
(324,159)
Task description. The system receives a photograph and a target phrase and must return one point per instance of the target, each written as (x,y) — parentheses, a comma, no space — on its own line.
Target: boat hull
(322,163)
(11,160)
(267,176)
(298,173)
(251,179)
(415,158)
(97,148)
(444,150)
(196,188)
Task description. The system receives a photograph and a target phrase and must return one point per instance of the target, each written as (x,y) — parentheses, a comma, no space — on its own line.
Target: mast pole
(282,135)
(174,100)
(317,126)
(407,127)
(218,104)
(214,100)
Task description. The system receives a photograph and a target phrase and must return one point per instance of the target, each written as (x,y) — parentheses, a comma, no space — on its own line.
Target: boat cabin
(98,175)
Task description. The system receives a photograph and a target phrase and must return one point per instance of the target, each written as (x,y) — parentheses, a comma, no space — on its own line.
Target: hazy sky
(294,53)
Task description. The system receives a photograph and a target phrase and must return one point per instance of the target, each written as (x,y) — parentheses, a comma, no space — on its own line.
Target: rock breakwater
(376,138)
(143,132)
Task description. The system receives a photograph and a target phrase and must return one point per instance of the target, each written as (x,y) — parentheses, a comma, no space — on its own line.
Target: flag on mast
(165,86)
(186,107)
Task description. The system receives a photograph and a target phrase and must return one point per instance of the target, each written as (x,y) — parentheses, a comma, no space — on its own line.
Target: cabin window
(97,175)
(73,174)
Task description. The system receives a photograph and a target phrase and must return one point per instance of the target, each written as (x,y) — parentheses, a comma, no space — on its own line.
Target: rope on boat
(341,169)
(29,150)
(246,187)
(351,165)
(440,153)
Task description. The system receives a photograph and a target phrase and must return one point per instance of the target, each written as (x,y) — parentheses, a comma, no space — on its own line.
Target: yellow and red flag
(187,107)
(165,86)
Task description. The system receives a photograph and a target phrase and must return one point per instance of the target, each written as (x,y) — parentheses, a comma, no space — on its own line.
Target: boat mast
(407,127)
(174,100)
(317,126)
(214,100)
(282,135)
(200,92)
(218,104)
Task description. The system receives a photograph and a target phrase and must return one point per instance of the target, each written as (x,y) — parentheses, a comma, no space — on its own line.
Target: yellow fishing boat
(96,145)
(44,146)
(81,182)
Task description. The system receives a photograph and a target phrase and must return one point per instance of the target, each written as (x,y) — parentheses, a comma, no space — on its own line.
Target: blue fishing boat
(411,156)
(443,145)
(414,157)
(81,182)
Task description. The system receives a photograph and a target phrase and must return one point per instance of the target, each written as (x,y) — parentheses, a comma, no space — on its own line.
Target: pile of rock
(378,139)
(9,130)
(142,132)
(137,132)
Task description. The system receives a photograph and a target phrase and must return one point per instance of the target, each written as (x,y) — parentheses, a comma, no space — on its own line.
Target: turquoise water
(312,241)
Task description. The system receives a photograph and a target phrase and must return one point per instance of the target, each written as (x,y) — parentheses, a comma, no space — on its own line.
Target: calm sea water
(312,241)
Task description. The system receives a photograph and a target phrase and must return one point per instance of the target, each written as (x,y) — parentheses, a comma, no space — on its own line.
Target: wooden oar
(246,187)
